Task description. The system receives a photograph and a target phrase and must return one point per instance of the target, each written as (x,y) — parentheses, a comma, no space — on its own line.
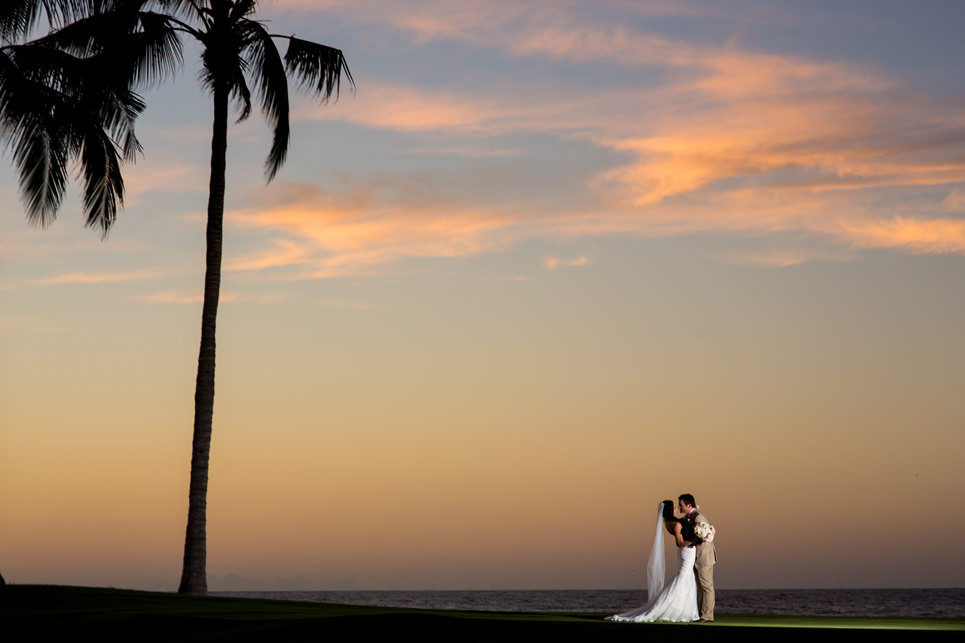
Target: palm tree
(237,51)
(70,95)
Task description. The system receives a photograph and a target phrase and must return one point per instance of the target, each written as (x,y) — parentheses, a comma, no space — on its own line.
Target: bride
(677,600)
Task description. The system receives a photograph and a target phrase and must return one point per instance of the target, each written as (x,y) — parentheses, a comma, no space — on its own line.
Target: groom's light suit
(704,571)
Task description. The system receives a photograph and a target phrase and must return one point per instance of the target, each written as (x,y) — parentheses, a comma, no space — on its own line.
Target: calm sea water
(946,603)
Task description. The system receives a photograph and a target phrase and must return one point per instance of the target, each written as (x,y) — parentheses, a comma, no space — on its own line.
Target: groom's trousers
(705,591)
(704,571)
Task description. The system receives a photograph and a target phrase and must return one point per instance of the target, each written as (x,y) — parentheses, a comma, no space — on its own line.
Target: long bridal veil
(677,601)
(656,566)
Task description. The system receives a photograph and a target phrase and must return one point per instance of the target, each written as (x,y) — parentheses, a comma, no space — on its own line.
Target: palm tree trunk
(194,575)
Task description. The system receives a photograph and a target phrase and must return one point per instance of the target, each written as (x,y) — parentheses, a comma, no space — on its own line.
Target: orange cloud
(356,231)
(729,140)
(797,144)
(920,236)
(283,253)
(362,231)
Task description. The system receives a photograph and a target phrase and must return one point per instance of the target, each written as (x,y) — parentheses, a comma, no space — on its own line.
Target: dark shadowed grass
(110,614)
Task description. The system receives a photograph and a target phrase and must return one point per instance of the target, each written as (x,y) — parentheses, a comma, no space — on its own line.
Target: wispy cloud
(356,231)
(783,257)
(551,262)
(464,151)
(143,178)
(193,296)
(184,296)
(281,253)
(407,109)
(102,277)
(350,305)
(955,201)
(919,236)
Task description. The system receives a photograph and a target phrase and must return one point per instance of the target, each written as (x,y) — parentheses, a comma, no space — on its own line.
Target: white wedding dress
(678,600)
(675,601)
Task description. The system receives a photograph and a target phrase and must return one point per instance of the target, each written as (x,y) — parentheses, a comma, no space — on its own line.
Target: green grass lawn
(81,613)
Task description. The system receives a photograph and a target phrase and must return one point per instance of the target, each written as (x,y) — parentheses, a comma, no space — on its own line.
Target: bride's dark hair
(668,510)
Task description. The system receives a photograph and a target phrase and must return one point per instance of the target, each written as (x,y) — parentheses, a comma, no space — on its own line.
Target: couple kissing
(689,596)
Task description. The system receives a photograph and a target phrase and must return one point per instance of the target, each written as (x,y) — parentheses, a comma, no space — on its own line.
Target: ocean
(942,603)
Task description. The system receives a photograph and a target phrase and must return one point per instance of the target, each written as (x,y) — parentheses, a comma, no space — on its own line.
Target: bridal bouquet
(705,532)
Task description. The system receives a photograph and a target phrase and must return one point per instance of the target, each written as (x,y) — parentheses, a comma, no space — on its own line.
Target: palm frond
(131,146)
(154,51)
(317,68)
(55,106)
(41,158)
(238,89)
(80,37)
(187,9)
(103,183)
(18,17)
(46,66)
(271,83)
(139,47)
(242,8)
(116,109)
(39,143)
(98,85)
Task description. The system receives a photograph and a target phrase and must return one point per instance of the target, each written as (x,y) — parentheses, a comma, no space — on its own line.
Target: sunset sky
(552,262)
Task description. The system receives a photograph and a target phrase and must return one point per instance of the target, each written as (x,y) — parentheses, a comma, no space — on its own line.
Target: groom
(706,558)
